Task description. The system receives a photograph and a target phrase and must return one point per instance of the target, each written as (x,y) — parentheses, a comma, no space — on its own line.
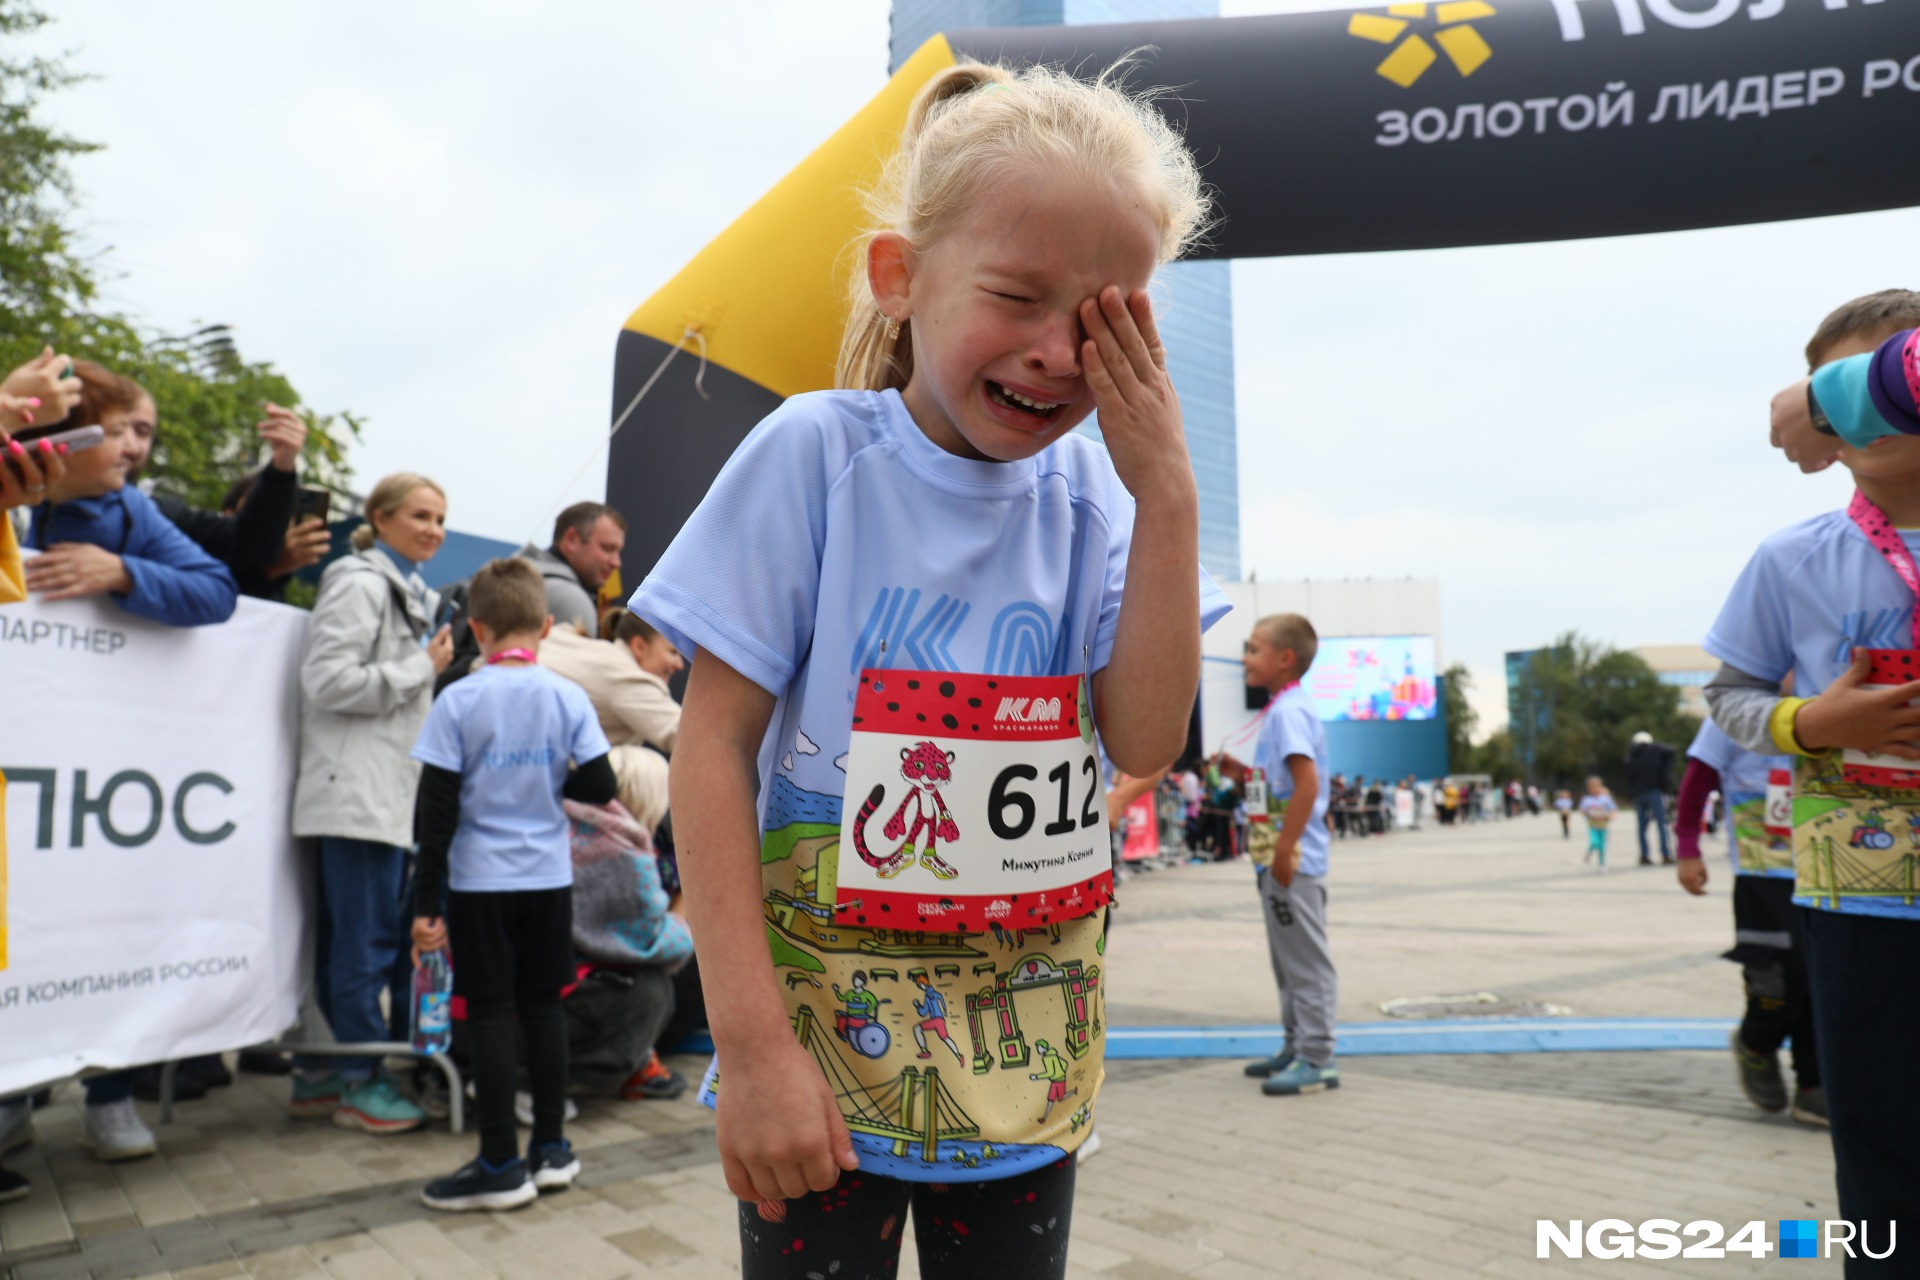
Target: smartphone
(75,438)
(312,504)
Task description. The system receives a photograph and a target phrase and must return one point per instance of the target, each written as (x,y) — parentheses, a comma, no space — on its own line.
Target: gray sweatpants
(1302,965)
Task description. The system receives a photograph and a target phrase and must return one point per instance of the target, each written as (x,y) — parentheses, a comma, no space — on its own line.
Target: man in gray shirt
(588,538)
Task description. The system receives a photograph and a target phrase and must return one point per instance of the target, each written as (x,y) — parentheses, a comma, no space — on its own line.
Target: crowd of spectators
(380,645)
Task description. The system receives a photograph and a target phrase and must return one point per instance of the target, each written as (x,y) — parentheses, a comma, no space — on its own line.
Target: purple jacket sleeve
(1701,780)
(1893,381)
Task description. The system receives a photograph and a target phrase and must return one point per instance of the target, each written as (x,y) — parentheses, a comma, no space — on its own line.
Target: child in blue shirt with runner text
(915,539)
(1833,601)
(1291,751)
(495,848)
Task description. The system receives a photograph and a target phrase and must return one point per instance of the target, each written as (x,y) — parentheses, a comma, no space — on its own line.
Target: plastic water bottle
(432,995)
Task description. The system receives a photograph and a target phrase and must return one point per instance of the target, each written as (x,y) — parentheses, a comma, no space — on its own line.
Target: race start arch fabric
(1409,126)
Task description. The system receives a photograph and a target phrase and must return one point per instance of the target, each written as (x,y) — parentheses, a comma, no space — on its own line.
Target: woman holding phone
(258,533)
(98,535)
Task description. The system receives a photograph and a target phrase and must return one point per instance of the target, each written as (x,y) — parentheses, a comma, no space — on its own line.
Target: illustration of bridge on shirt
(1840,871)
(926,1110)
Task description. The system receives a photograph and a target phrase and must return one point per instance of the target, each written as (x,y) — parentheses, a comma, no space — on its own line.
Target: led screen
(1373,678)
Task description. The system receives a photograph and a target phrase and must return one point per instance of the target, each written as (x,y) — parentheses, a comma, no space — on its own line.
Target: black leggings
(1780,1010)
(1008,1229)
(490,1024)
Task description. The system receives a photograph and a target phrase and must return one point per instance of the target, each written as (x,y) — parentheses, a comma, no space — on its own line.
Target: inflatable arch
(1423,125)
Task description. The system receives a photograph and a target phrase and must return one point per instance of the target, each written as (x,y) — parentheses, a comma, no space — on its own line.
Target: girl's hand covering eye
(1126,368)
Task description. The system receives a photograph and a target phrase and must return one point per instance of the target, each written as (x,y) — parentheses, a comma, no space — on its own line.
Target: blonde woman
(366,683)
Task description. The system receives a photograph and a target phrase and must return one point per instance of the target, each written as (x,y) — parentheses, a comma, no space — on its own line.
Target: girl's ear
(890,267)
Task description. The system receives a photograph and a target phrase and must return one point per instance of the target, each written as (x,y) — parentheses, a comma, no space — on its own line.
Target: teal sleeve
(1841,389)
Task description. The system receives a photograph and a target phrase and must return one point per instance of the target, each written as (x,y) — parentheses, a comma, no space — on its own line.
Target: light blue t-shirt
(1291,727)
(510,733)
(1812,593)
(1743,780)
(838,537)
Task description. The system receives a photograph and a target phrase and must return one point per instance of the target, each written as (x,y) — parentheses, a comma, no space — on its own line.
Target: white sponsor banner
(150,893)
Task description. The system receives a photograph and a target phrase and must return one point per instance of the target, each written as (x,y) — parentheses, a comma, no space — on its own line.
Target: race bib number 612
(971,801)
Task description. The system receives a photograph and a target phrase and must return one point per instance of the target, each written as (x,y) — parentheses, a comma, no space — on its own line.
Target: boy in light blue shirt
(1835,602)
(495,844)
(1292,752)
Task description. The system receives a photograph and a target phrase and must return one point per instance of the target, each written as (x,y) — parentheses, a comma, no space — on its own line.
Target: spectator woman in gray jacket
(366,682)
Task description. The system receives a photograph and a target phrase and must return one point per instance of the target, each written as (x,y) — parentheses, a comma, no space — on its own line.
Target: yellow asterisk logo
(1412,56)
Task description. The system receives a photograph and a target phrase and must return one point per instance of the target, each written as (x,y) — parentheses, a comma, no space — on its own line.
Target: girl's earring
(893,329)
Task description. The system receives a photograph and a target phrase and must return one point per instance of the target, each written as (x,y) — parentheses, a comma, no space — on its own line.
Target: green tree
(1496,757)
(1589,700)
(1455,684)
(43,278)
(209,397)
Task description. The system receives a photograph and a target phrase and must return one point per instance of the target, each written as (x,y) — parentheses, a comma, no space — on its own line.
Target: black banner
(1495,121)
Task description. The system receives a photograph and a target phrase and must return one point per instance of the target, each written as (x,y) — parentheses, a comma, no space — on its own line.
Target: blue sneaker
(554,1165)
(376,1106)
(1301,1076)
(314,1097)
(1269,1066)
(477,1187)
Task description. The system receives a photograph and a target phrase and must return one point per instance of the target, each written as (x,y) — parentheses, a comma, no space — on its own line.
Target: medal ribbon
(514,655)
(1873,522)
(1252,728)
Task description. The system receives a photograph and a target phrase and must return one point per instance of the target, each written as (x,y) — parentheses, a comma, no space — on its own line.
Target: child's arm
(593,782)
(1155,666)
(1700,781)
(1306,793)
(1125,792)
(439,819)
(1847,715)
(1862,397)
(780,1129)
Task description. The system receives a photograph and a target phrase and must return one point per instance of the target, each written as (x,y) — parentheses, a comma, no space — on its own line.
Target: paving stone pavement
(1419,1167)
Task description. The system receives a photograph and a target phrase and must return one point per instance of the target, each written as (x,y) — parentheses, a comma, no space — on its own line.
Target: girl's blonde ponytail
(871,357)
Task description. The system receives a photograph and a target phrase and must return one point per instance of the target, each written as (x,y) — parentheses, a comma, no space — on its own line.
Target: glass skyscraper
(1193,300)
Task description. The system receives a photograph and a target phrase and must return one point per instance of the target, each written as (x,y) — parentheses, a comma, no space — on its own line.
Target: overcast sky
(438,215)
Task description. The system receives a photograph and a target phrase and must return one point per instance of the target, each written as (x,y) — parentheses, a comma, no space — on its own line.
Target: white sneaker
(114,1132)
(523,1109)
(1088,1149)
(16,1125)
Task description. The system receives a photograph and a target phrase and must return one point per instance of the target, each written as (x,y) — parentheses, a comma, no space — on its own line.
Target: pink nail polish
(47,448)
(13,447)
(34,401)
(62,449)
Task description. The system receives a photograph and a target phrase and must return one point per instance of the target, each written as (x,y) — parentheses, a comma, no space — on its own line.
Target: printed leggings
(1008,1229)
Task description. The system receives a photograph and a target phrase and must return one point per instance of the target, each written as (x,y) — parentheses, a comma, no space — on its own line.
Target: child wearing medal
(495,878)
(1290,750)
(1833,602)
(909,603)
